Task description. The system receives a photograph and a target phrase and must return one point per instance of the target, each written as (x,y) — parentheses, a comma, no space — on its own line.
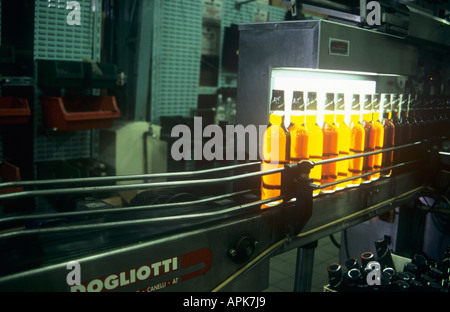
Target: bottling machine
(223,242)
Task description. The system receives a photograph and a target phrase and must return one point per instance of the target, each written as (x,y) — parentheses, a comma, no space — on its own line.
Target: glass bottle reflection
(357,141)
(330,143)
(275,148)
(344,139)
(377,134)
(389,134)
(369,142)
(315,139)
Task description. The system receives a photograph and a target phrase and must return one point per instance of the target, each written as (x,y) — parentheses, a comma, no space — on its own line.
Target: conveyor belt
(116,239)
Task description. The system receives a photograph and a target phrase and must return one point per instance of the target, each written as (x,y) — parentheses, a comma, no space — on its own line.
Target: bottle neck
(298,119)
(367,116)
(340,117)
(311,117)
(276,119)
(395,115)
(329,118)
(355,117)
(376,116)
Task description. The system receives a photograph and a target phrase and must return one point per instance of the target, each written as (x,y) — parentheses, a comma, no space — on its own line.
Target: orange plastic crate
(70,113)
(14,110)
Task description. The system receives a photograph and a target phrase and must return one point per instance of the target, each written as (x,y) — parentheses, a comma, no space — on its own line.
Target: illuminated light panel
(320,81)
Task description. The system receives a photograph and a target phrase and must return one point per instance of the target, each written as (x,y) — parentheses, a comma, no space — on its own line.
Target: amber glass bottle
(369,142)
(357,141)
(344,135)
(315,139)
(389,134)
(425,117)
(414,102)
(404,116)
(378,135)
(444,103)
(420,117)
(398,126)
(297,129)
(406,154)
(275,148)
(330,143)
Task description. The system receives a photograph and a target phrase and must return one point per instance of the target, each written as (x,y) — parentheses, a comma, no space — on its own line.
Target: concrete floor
(282,267)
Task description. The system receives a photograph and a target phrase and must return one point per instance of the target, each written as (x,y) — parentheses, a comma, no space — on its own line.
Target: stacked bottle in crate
(386,272)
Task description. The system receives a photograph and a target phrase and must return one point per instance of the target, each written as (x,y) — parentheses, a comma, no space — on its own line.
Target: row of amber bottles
(377,121)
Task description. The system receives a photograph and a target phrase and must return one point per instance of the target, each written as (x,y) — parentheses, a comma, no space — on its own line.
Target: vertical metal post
(362,10)
(304,268)
(304,204)
(143,66)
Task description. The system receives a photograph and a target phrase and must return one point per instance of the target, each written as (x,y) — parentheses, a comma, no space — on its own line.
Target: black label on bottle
(340,103)
(311,101)
(376,102)
(298,101)
(329,102)
(395,103)
(404,102)
(386,102)
(413,103)
(367,102)
(277,103)
(356,104)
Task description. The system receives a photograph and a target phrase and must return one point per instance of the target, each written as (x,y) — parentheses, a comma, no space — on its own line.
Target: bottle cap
(426,278)
(415,284)
(366,257)
(434,287)
(402,276)
(311,101)
(298,101)
(340,102)
(411,276)
(277,103)
(354,274)
(402,285)
(410,267)
(356,105)
(329,102)
(351,264)
(421,262)
(334,274)
(389,271)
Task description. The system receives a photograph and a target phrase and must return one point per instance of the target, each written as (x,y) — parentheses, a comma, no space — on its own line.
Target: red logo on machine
(149,271)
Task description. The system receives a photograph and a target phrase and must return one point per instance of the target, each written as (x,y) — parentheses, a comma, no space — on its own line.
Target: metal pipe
(331,160)
(363,10)
(178,174)
(116,210)
(304,268)
(134,223)
(96,189)
(347,219)
(315,186)
(109,188)
(124,177)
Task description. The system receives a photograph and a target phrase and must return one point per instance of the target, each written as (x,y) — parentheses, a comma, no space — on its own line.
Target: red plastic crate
(70,113)
(14,110)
